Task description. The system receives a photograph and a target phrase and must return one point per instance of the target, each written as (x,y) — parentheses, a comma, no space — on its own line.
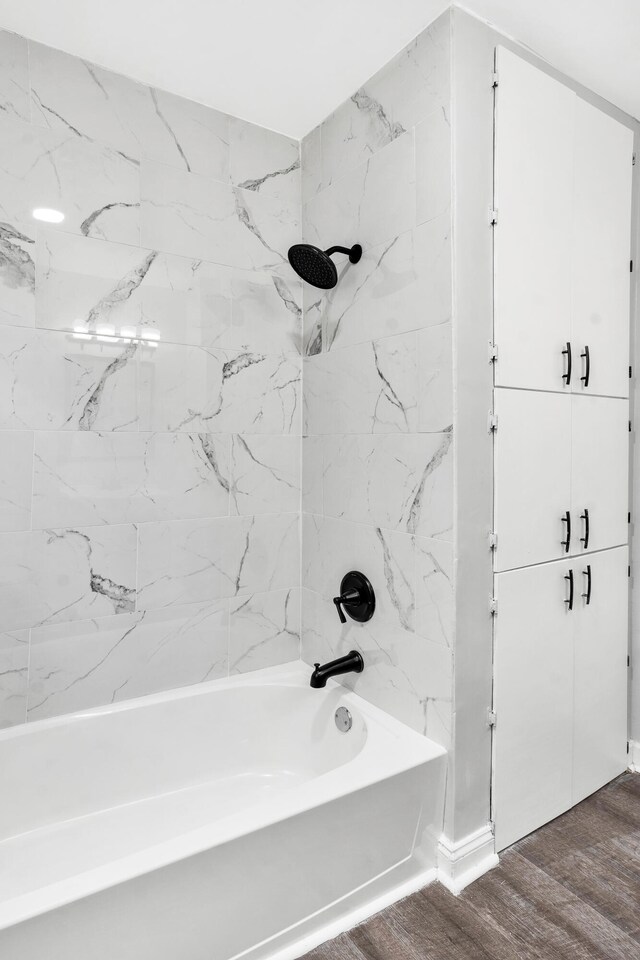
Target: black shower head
(316,266)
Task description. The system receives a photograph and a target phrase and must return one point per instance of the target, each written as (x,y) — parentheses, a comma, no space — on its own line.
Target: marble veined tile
(265,474)
(264,630)
(312,469)
(366,388)
(74,96)
(96,188)
(186,301)
(52,381)
(88,284)
(195,216)
(397,482)
(331,547)
(434,590)
(414,84)
(16,468)
(313,394)
(17,277)
(311,161)
(92,478)
(95,662)
(405,675)
(318,639)
(185,561)
(369,205)
(130,292)
(180,388)
(138,121)
(313,307)
(433,166)
(55,576)
(193,389)
(184,133)
(435,379)
(14,663)
(400,285)
(264,161)
(266,312)
(14,76)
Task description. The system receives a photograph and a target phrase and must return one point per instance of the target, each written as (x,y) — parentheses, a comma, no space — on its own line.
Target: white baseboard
(634,756)
(460,863)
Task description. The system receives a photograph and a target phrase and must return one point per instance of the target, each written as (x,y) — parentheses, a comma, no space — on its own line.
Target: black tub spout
(351,663)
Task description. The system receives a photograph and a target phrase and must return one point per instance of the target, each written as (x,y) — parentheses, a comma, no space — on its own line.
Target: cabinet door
(600,669)
(533,699)
(601,251)
(600,472)
(532,479)
(532,238)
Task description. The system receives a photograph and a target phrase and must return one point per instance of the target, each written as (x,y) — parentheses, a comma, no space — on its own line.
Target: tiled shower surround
(150,389)
(151,414)
(378,395)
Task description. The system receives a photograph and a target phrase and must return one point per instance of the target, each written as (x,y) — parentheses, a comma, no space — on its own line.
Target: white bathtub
(224,820)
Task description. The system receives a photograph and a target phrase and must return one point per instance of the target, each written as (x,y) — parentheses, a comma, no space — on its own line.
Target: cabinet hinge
(494,79)
(493,217)
(492,352)
(630,372)
(629,426)
(628,661)
(627,746)
(492,422)
(493,541)
(630,266)
(629,571)
(629,517)
(493,606)
(633,160)
(491,718)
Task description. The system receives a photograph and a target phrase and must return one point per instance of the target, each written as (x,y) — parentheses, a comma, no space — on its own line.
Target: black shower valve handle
(338,603)
(349,597)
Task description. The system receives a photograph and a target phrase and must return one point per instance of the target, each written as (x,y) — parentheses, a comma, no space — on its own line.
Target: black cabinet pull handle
(567,543)
(567,352)
(569,602)
(587,573)
(585,516)
(587,366)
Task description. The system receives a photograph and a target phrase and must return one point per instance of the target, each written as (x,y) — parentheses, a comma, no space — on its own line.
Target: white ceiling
(286,64)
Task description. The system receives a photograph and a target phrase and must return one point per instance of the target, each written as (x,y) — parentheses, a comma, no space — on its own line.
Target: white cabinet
(534,178)
(600,286)
(600,632)
(532,699)
(561,476)
(560,687)
(563,174)
(599,473)
(532,476)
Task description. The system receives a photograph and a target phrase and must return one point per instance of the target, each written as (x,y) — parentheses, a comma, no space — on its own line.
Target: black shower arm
(333,250)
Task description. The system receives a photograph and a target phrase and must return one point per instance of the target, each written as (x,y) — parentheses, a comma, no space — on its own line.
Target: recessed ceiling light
(48,215)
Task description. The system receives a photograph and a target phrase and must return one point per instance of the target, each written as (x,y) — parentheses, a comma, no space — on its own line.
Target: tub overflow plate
(343,720)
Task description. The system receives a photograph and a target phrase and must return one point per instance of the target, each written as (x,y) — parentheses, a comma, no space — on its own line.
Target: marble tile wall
(150,389)
(377,489)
